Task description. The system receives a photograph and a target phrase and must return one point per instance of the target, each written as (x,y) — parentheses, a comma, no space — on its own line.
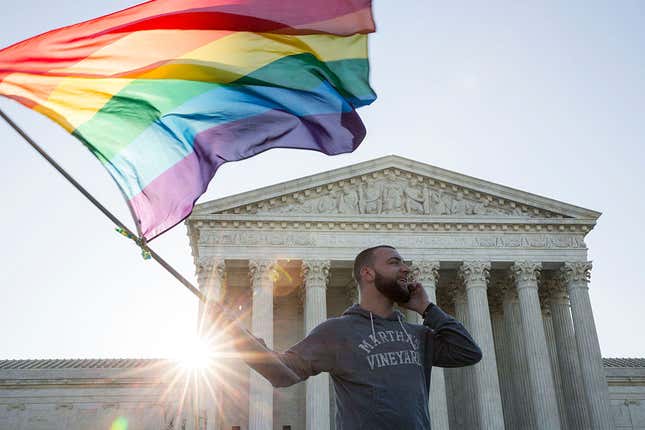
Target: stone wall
(144,397)
(147,396)
(627,393)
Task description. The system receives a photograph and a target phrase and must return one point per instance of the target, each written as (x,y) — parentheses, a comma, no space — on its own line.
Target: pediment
(391,186)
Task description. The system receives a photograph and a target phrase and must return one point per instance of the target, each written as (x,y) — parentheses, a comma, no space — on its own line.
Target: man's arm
(268,363)
(307,358)
(452,345)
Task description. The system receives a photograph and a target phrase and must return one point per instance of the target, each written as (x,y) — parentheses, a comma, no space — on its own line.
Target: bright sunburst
(203,372)
(195,354)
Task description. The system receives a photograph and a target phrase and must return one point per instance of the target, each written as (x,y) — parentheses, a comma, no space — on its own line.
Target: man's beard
(391,289)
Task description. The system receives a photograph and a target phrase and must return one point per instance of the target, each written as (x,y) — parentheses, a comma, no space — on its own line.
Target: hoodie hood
(395,317)
(358,310)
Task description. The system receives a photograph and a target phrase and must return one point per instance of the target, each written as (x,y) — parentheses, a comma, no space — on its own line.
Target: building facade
(511,265)
(114,394)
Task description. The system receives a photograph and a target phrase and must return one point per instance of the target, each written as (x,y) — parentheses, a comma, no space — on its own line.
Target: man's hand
(419,300)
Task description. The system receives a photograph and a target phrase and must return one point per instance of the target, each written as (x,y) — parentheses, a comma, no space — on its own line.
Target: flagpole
(98,204)
(268,364)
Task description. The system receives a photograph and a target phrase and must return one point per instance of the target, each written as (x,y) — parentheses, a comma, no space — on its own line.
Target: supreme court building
(512,266)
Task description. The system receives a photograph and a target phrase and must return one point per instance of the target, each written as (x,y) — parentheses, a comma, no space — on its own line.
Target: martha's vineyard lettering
(390,358)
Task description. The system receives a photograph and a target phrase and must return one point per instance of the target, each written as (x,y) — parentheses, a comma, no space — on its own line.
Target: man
(379,363)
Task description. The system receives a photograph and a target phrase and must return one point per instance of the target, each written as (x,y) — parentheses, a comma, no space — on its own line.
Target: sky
(543,96)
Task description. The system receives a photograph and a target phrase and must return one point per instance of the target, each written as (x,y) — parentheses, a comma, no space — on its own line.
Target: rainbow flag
(165,92)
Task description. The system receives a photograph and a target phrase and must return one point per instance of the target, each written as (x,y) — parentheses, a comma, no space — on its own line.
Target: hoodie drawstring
(405,331)
(398,317)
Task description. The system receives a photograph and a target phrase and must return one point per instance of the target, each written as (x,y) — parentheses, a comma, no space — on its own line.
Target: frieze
(244,238)
(392,192)
(541,241)
(306,239)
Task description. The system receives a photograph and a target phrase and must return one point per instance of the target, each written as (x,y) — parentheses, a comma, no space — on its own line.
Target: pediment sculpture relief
(390,194)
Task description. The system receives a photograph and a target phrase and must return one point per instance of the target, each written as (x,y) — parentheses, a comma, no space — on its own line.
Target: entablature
(338,223)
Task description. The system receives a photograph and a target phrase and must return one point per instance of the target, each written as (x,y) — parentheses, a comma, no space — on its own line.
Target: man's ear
(367,273)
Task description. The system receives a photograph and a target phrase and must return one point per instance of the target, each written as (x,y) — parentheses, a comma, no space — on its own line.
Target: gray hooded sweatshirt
(380,366)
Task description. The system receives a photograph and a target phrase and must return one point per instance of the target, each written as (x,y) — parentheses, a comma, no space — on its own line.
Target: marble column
(577,277)
(475,275)
(189,417)
(523,415)
(545,405)
(411,316)
(211,278)
(467,406)
(452,376)
(570,373)
(427,273)
(451,396)
(315,274)
(262,274)
(553,354)
(502,351)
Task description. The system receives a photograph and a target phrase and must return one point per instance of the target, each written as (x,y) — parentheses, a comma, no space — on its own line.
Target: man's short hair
(365,258)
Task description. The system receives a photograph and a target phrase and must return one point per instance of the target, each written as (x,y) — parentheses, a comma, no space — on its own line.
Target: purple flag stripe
(175,191)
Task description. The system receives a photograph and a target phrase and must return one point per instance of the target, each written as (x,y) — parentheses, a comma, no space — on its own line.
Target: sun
(195,354)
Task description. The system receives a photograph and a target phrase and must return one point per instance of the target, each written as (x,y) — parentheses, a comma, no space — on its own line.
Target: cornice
(46,383)
(411,224)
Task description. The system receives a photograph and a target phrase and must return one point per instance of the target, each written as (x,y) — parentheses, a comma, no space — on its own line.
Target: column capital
(262,273)
(474,272)
(425,272)
(526,273)
(211,268)
(576,272)
(211,278)
(315,273)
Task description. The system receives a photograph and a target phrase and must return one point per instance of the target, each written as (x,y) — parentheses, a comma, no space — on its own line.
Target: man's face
(391,275)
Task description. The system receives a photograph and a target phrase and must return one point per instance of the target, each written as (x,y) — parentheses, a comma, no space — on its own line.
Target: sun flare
(196,354)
